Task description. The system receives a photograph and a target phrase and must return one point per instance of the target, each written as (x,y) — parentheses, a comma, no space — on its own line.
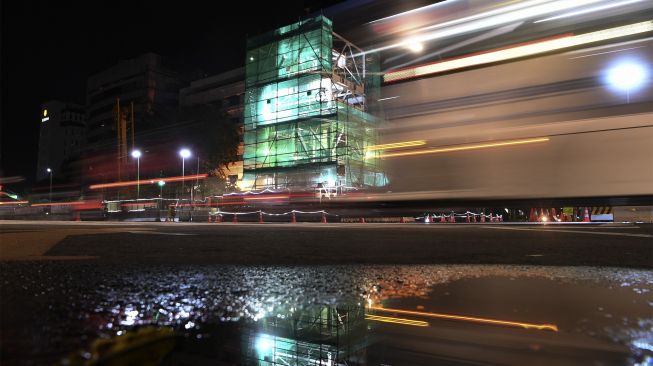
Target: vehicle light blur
(466,147)
(551,327)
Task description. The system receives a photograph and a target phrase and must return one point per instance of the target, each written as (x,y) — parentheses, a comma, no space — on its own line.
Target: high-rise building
(306,114)
(127,106)
(61,137)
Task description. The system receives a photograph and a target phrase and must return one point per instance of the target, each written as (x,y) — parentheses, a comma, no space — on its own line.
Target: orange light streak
(14,203)
(467,147)
(551,327)
(146,203)
(396,145)
(74,203)
(402,321)
(264,198)
(148,181)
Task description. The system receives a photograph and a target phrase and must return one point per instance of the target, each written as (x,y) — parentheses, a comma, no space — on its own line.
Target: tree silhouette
(214,136)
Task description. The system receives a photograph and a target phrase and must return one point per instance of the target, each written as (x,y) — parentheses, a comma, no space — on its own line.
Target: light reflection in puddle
(193,300)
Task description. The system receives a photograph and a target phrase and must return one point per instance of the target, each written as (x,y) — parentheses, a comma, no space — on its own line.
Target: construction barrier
(217,216)
(586,217)
(602,214)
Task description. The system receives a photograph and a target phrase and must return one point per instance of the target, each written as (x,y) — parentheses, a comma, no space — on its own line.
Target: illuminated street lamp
(136,154)
(50,172)
(627,76)
(160,183)
(184,153)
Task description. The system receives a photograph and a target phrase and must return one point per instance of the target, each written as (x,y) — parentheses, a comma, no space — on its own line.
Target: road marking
(157,233)
(612,227)
(571,231)
(33,245)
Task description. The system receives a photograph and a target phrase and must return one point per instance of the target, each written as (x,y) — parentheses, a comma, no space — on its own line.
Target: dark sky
(49,48)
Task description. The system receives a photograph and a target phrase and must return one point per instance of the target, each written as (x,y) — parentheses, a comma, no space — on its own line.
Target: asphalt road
(63,285)
(621,245)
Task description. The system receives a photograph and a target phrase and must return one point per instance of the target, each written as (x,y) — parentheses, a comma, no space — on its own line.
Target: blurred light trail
(14,203)
(413,11)
(14,179)
(491,34)
(589,10)
(606,52)
(388,98)
(396,145)
(385,319)
(74,203)
(148,181)
(265,198)
(467,147)
(529,49)
(551,327)
(10,195)
(495,18)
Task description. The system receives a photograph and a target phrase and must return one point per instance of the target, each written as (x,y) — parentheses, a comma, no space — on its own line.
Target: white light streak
(589,10)
(491,19)
(388,98)
(521,51)
(606,52)
(411,11)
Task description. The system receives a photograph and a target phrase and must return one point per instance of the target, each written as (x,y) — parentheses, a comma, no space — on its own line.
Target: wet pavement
(603,316)
(126,293)
(300,244)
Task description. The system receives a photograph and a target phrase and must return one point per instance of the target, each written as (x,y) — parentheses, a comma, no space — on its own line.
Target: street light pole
(184,153)
(197,174)
(50,196)
(137,154)
(161,184)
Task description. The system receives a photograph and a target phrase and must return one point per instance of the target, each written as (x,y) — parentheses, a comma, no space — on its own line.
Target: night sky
(49,48)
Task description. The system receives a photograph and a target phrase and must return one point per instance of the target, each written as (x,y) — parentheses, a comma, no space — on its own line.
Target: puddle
(330,315)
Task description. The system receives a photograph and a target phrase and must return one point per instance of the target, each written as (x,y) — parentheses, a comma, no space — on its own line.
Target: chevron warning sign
(601,210)
(603,213)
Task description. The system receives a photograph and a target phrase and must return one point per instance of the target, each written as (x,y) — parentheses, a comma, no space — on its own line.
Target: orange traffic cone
(452,218)
(235,220)
(402,220)
(293,218)
(218,218)
(442,219)
(474,218)
(324,220)
(482,217)
(209,218)
(586,218)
